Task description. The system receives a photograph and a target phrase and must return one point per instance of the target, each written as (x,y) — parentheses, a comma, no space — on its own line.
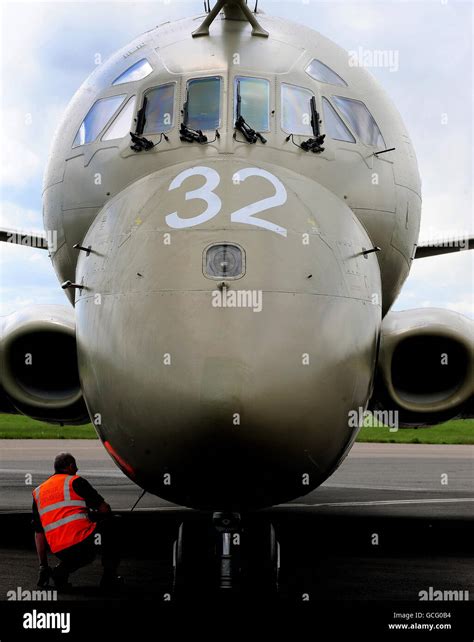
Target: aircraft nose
(223,353)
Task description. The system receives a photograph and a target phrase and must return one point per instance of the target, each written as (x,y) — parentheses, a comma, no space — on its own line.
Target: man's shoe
(43,577)
(60,579)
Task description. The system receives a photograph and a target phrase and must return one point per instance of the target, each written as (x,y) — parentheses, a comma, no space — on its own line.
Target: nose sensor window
(224,261)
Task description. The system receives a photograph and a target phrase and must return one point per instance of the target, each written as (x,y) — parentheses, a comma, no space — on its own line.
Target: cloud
(15,217)
(440,282)
(26,274)
(27,137)
(29,296)
(22,164)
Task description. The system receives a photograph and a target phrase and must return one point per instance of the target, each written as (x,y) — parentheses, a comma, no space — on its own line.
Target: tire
(193,557)
(260,557)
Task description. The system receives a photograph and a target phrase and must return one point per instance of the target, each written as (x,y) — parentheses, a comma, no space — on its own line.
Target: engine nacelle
(425,369)
(39,372)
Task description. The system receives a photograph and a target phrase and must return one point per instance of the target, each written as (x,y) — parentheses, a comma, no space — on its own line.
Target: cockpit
(324,108)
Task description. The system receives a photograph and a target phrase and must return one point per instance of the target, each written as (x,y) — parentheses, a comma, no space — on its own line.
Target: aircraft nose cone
(234,391)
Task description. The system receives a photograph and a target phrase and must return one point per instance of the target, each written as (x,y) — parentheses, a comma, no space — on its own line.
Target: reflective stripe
(71,502)
(65,520)
(67,492)
(36,494)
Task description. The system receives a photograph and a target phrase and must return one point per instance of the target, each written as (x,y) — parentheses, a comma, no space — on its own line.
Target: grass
(21,427)
(456,431)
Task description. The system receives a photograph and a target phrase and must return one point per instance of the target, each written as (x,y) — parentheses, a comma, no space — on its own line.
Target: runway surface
(376,479)
(418,500)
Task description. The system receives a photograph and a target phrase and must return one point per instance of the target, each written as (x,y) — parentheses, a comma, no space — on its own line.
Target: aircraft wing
(444,247)
(37,240)
(423,250)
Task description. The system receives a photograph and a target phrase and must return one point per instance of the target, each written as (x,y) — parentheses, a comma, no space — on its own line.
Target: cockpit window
(97,117)
(122,125)
(334,126)
(361,120)
(254,101)
(159,110)
(319,71)
(139,70)
(296,110)
(202,107)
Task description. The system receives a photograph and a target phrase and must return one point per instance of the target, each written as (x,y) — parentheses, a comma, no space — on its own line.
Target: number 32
(214,204)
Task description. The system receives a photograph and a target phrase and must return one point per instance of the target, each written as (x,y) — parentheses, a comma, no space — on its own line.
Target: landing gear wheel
(261,557)
(226,556)
(193,557)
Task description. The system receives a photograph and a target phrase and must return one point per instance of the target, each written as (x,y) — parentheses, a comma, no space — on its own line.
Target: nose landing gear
(228,531)
(229,553)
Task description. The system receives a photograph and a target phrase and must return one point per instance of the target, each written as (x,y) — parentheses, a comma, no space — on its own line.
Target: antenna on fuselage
(234,10)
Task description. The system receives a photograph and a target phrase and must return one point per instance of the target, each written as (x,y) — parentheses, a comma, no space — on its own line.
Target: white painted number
(245,214)
(214,203)
(205,193)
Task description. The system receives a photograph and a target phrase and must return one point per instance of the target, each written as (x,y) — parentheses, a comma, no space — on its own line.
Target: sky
(48,48)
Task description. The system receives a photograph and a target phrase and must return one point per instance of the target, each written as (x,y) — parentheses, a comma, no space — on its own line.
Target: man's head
(65,463)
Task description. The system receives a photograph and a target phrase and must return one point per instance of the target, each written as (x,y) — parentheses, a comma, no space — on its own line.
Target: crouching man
(68,516)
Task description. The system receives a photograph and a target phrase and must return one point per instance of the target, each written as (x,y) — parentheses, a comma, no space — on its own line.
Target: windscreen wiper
(187,134)
(251,136)
(139,142)
(141,118)
(314,144)
(191,135)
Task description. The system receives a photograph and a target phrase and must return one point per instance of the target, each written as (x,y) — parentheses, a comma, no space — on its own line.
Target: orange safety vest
(63,513)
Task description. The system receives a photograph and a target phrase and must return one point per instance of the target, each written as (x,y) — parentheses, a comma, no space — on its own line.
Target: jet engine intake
(425,369)
(39,372)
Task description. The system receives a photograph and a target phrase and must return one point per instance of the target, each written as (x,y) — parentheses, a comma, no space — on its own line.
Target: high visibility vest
(63,513)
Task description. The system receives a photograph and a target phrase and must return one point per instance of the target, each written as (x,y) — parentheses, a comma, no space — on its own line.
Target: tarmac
(394,520)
